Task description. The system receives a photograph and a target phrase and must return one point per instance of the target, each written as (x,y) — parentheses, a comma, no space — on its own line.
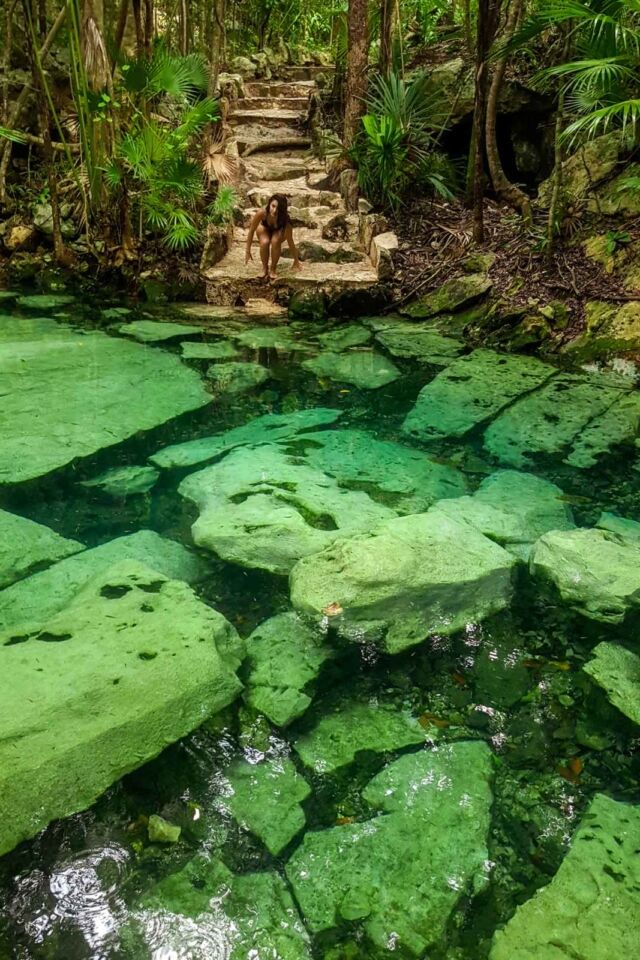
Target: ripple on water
(171,936)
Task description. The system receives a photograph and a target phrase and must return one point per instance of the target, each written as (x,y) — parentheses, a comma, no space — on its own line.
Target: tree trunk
(6,59)
(554,206)
(217,43)
(137,19)
(386,31)
(184,28)
(149,26)
(121,26)
(487,21)
(506,190)
(466,20)
(357,62)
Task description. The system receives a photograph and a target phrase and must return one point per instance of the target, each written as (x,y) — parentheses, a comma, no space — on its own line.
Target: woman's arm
(253,226)
(291,244)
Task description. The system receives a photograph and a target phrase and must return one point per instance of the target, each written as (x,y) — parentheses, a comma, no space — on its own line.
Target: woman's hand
(248,256)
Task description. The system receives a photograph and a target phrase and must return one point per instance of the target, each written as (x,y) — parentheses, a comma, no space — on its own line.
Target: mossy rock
(609,328)
(307,305)
(452,296)
(591,163)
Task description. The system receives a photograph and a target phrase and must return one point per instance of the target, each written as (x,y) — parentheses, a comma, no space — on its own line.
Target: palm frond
(219,166)
(623,114)
(13,135)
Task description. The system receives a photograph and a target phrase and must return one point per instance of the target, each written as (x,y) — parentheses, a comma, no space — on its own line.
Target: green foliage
(221,210)
(615,239)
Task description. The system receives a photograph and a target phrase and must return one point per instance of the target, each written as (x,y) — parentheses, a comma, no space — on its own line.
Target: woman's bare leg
(276,248)
(265,242)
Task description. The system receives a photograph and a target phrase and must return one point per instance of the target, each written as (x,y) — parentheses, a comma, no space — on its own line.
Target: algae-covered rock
(401,476)
(512,508)
(261,508)
(68,395)
(206,911)
(609,328)
(341,735)
(363,368)
(217,350)
(161,831)
(128,667)
(471,390)
(265,429)
(342,338)
(124,481)
(588,166)
(549,421)
(453,295)
(265,798)
(41,595)
(154,331)
(403,873)
(413,576)
(266,338)
(591,907)
(617,671)
(45,301)
(236,377)
(284,655)
(25,546)
(627,530)
(596,572)
(307,305)
(619,424)
(425,346)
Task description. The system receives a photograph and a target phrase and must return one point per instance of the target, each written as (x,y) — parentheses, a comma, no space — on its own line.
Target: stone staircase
(268,127)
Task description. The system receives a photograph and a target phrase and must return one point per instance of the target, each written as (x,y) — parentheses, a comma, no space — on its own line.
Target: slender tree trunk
(149,26)
(386,31)
(121,26)
(554,206)
(487,20)
(357,62)
(184,28)
(506,190)
(6,59)
(466,21)
(137,19)
(217,43)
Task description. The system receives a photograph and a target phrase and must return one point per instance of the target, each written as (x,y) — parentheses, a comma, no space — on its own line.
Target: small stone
(161,831)
(236,377)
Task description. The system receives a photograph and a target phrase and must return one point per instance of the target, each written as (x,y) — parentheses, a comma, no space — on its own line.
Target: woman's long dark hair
(282,216)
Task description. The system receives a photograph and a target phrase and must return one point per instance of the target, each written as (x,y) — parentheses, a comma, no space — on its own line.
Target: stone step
(265,118)
(274,168)
(297,192)
(309,72)
(312,246)
(313,218)
(297,104)
(279,88)
(254,139)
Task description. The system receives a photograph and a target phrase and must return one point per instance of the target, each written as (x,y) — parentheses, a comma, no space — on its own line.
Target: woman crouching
(273,226)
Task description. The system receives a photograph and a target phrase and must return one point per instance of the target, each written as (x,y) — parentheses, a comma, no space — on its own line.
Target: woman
(272,225)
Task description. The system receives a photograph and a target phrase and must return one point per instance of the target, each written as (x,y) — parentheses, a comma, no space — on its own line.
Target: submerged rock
(41,595)
(128,667)
(619,424)
(261,508)
(154,331)
(276,338)
(512,508)
(410,578)
(363,368)
(270,427)
(591,907)
(426,346)
(453,295)
(406,478)
(285,656)
(403,873)
(342,338)
(161,831)
(214,913)
(596,572)
(236,377)
(220,350)
(124,481)
(627,530)
(25,546)
(265,798)
(83,392)
(45,301)
(471,390)
(339,736)
(617,671)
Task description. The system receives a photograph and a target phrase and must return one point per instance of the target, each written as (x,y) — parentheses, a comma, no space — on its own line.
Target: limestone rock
(265,798)
(25,546)
(405,478)
(595,571)
(161,831)
(413,576)
(124,481)
(451,296)
(343,338)
(550,421)
(43,594)
(218,350)
(20,236)
(588,166)
(43,221)
(617,671)
(383,246)
(307,304)
(404,872)
(340,736)
(236,377)
(83,392)
(424,345)
(590,908)
(153,331)
(267,428)
(625,529)
(128,667)
(261,508)
(619,424)
(364,369)
(284,655)
(609,329)
(471,390)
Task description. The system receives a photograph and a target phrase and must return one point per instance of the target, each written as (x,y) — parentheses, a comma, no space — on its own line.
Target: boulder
(217,243)
(383,246)
(284,657)
(25,546)
(402,873)
(307,305)
(470,391)
(152,331)
(595,572)
(124,481)
(244,67)
(20,236)
(339,736)
(409,578)
(591,163)
(43,222)
(269,427)
(453,295)
(614,198)
(101,389)
(265,798)
(128,667)
(617,671)
(261,508)
(236,377)
(590,908)
(365,369)
(609,328)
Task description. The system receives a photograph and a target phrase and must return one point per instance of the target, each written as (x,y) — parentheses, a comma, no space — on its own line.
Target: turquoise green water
(78,891)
